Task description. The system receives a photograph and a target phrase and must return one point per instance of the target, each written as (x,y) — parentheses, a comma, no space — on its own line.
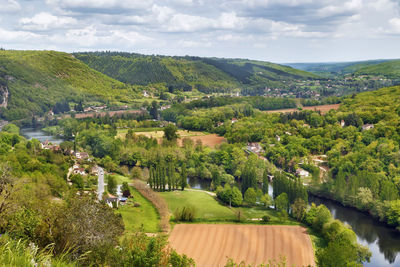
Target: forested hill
(32,82)
(389,69)
(205,74)
(336,68)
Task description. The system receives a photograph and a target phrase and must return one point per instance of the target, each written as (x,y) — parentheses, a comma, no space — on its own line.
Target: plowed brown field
(323,108)
(212,244)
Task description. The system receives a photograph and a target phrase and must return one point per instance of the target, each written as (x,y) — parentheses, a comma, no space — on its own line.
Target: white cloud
(85,5)
(18,36)
(395,24)
(9,6)
(46,21)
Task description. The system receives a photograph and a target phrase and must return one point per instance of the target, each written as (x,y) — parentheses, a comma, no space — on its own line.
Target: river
(38,134)
(383,241)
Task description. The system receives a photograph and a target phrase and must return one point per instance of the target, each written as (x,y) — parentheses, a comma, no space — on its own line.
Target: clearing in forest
(210,140)
(323,108)
(212,244)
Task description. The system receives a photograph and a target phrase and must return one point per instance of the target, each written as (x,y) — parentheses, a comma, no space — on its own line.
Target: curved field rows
(212,244)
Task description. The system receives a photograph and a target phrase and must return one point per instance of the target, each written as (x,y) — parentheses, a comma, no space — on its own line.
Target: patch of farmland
(212,244)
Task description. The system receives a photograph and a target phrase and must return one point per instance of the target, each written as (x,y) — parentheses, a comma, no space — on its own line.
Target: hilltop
(335,68)
(33,82)
(187,73)
(389,69)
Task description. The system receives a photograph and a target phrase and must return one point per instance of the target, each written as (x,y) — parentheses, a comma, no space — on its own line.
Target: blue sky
(271,30)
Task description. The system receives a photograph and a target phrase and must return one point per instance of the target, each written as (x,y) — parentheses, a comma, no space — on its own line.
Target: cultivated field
(210,140)
(323,108)
(212,244)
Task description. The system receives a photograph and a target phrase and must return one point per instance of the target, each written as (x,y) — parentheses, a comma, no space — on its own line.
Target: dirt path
(212,244)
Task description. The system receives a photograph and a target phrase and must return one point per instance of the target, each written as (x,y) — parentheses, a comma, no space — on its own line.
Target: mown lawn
(120,178)
(145,216)
(207,208)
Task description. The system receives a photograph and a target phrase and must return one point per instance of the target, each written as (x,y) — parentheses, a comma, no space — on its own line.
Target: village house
(47,145)
(81,155)
(278,138)
(254,147)
(302,173)
(94,171)
(112,201)
(367,127)
(80,171)
(234,120)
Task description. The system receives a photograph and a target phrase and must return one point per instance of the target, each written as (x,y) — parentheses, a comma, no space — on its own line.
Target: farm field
(212,244)
(323,108)
(210,140)
(145,215)
(207,208)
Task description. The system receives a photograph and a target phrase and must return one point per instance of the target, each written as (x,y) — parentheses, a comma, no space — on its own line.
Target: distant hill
(335,68)
(389,69)
(32,82)
(205,74)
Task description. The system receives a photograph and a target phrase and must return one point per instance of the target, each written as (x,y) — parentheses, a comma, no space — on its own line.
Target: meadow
(144,217)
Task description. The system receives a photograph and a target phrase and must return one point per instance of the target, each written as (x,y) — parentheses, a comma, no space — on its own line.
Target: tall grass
(20,253)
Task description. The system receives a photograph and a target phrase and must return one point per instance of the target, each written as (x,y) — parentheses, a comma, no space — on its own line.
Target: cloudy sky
(272,30)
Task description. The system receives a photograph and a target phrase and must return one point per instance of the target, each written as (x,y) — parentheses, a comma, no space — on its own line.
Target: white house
(302,173)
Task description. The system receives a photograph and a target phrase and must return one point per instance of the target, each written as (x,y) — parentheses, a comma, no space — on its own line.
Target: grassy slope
(390,69)
(207,208)
(42,78)
(145,216)
(210,210)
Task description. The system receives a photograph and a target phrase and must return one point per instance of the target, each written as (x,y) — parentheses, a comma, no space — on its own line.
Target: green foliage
(170,132)
(11,128)
(282,202)
(250,196)
(40,79)
(111,185)
(230,195)
(185,214)
(125,189)
(186,73)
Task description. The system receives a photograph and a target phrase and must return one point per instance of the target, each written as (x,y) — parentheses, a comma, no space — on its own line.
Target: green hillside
(390,69)
(335,68)
(37,80)
(187,73)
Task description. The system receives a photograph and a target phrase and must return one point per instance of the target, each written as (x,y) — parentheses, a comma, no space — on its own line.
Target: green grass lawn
(120,178)
(207,208)
(135,217)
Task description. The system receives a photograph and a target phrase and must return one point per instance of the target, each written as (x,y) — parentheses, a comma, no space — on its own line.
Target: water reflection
(383,241)
(38,134)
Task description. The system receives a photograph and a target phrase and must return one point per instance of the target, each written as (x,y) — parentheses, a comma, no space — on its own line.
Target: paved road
(100,184)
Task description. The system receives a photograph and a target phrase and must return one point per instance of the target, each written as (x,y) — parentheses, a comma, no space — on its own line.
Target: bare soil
(212,244)
(323,108)
(210,140)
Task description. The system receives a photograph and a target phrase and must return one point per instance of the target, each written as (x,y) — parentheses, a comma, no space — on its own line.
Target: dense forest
(204,74)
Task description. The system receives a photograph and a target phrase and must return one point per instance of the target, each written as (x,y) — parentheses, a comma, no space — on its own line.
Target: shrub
(136,204)
(185,214)
(266,219)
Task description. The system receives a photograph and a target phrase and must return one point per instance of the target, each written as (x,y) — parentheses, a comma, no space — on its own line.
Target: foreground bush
(185,214)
